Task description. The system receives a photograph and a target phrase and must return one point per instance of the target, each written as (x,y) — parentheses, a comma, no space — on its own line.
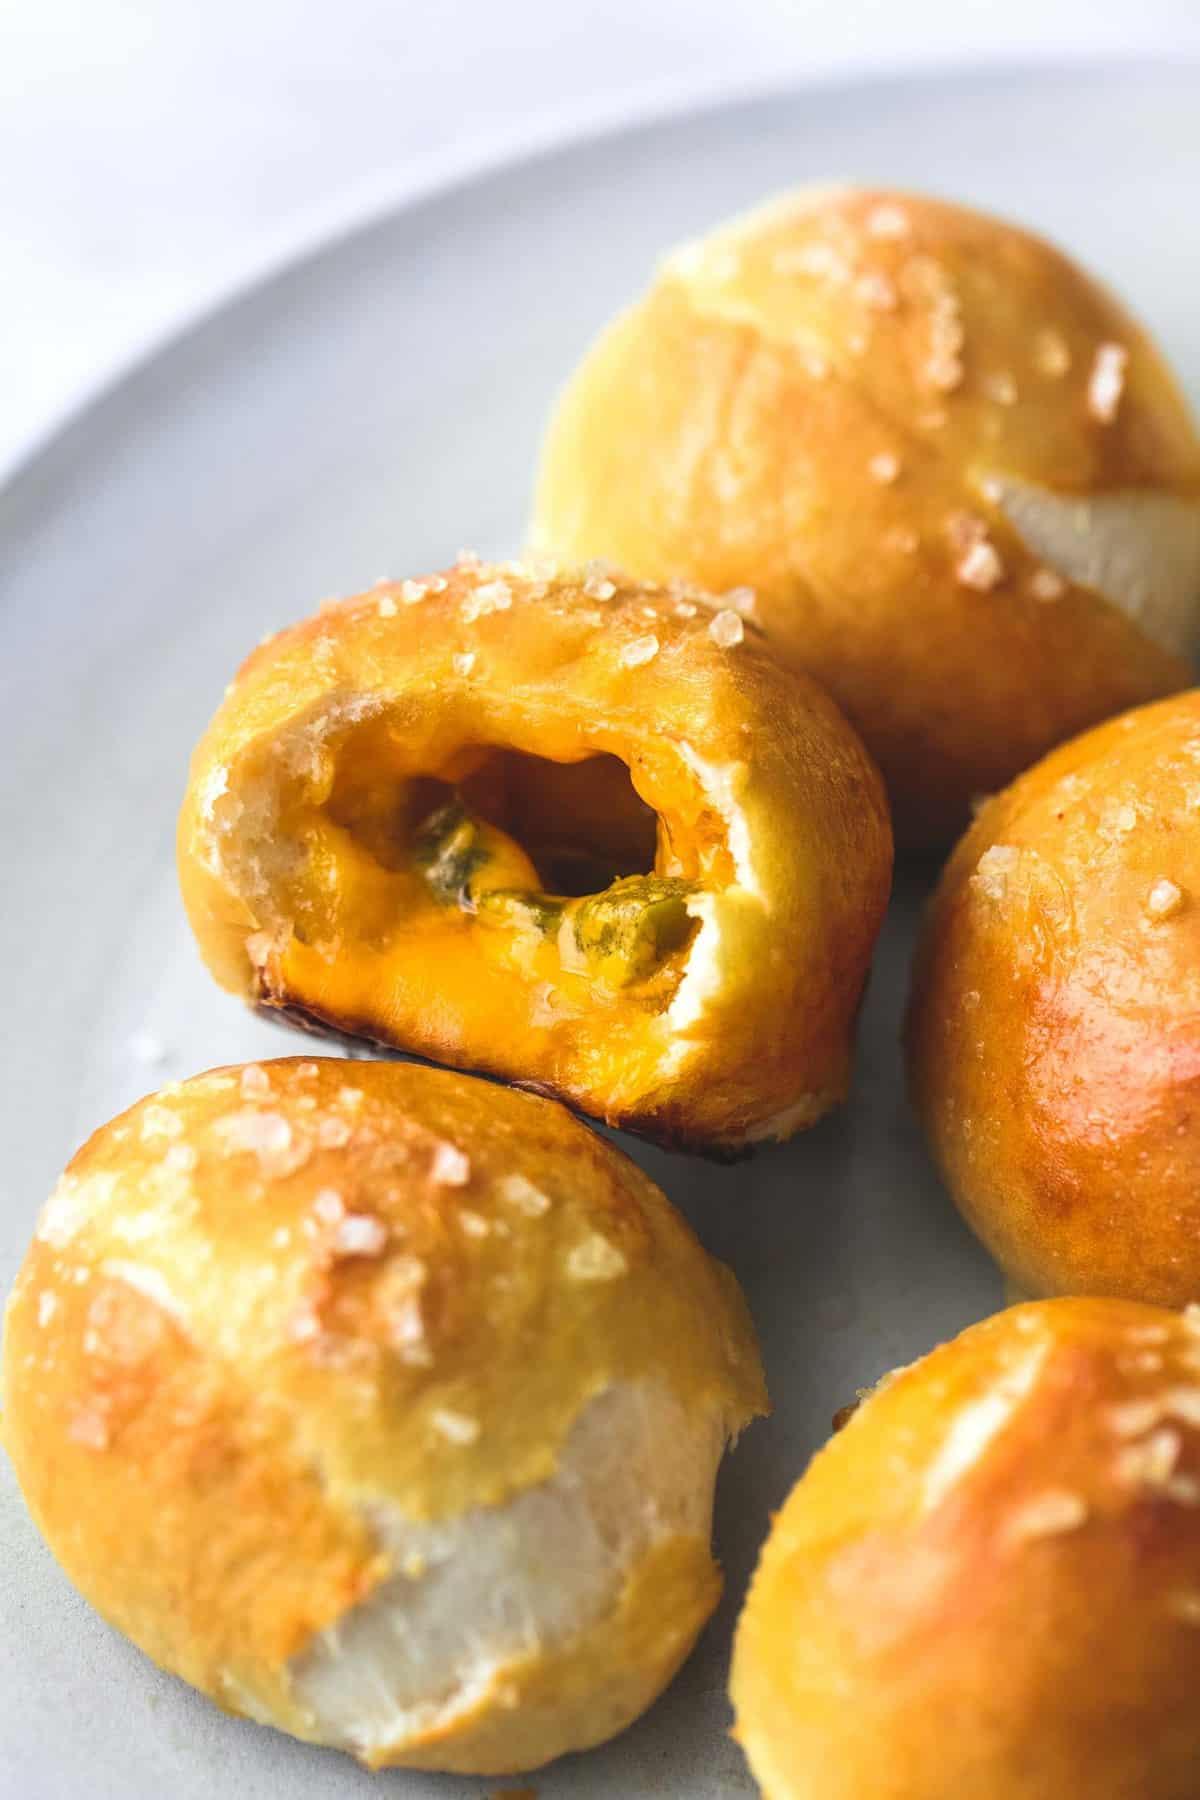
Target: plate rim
(562,130)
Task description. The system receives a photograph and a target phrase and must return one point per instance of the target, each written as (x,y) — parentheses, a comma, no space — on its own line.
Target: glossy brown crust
(765,797)
(250,1303)
(814,401)
(1054,1027)
(988,1583)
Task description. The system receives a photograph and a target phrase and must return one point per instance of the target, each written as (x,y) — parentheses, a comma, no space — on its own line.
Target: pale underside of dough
(497,1584)
(1139,550)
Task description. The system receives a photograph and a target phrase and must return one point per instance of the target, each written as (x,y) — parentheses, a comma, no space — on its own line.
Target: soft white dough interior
(475,1591)
(1140,550)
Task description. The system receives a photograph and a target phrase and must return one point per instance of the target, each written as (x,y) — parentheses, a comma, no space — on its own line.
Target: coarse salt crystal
(89,1427)
(406,1333)
(1165,899)
(1183,1403)
(726,629)
(639,650)
(360,1234)
(821,260)
(329,1205)
(450,1168)
(595,1259)
(1130,1418)
(742,599)
(875,290)
(1050,1513)
(47,1306)
(884,468)
(488,597)
(1106,383)
(888,223)
(455,1427)
(980,567)
(1045,584)
(267,1134)
(520,1192)
(1050,353)
(944,371)
(256,1083)
(386,607)
(160,1121)
(464,662)
(411,592)
(599,587)
(1151,1463)
(332,1133)
(68,1207)
(1000,387)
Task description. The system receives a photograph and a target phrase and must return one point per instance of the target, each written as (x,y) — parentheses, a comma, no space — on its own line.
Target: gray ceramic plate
(368,411)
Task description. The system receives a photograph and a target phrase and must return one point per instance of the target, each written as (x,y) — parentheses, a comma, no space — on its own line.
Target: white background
(154,153)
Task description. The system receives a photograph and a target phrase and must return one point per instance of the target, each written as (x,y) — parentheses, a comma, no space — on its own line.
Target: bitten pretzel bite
(381,1404)
(987,1586)
(581,834)
(1054,1028)
(960,479)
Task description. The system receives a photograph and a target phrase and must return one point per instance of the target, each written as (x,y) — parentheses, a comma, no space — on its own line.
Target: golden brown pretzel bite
(987,1585)
(382,1405)
(1054,1028)
(572,831)
(959,477)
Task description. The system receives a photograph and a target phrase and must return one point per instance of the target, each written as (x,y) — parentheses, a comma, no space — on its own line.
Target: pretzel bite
(381,1404)
(987,1586)
(577,833)
(1054,1027)
(960,479)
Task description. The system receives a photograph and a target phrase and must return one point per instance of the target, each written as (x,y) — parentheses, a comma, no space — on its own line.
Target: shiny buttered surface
(1054,1029)
(959,478)
(579,833)
(987,1587)
(381,1404)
